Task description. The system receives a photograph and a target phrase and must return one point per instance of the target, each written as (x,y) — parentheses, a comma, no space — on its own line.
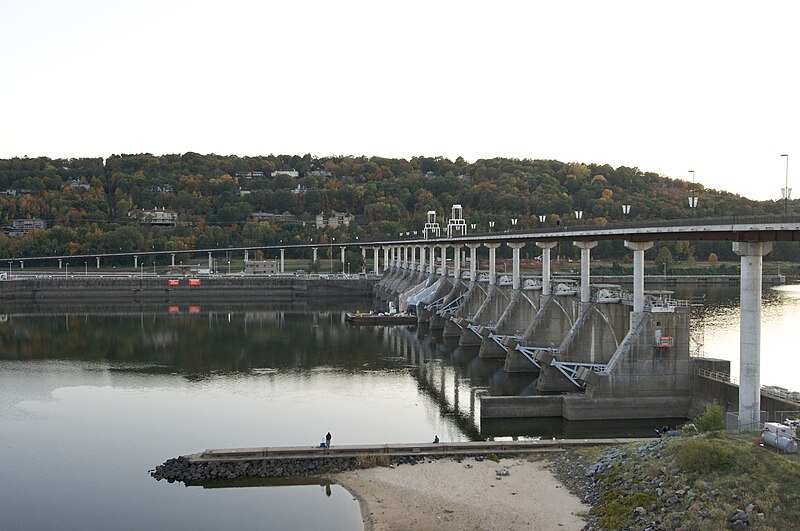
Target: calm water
(93,397)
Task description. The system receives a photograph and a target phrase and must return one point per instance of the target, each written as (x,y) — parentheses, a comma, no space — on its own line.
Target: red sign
(194,309)
(174,309)
(194,281)
(173,282)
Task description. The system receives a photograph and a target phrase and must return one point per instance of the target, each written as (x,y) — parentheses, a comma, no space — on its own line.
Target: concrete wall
(522,314)
(156,288)
(644,370)
(597,334)
(553,321)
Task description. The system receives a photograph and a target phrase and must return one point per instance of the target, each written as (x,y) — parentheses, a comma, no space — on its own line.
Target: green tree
(664,257)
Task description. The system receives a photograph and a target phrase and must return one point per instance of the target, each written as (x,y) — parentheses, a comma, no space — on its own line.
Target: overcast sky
(668,87)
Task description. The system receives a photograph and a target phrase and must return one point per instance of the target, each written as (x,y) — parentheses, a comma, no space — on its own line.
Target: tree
(713,259)
(664,257)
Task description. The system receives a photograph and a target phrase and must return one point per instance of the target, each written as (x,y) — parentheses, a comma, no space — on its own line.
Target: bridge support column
(98,262)
(473,261)
(385,258)
(492,262)
(432,253)
(750,332)
(444,260)
(343,259)
(413,265)
(515,247)
(136,262)
(375,260)
(172,257)
(59,263)
(282,262)
(638,249)
(457,261)
(210,263)
(586,289)
(422,258)
(546,247)
(313,255)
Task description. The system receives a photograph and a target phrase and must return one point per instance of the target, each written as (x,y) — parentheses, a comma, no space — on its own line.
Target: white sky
(710,86)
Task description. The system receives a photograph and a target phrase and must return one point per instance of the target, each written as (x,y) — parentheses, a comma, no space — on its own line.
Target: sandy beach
(446,494)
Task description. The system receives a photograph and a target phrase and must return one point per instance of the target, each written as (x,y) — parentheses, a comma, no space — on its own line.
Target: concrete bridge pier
(471,336)
(136,262)
(489,347)
(342,249)
(172,259)
(751,254)
(375,261)
(98,262)
(455,324)
(586,294)
(282,261)
(638,249)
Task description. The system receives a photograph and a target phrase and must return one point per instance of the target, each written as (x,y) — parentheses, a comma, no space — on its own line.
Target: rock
(640,511)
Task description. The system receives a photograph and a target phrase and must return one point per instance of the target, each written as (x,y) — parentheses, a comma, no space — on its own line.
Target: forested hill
(91,205)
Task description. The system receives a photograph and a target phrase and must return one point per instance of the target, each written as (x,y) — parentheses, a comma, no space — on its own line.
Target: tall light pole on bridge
(786,191)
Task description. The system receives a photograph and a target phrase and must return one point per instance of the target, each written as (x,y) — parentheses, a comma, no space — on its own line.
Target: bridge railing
(773,392)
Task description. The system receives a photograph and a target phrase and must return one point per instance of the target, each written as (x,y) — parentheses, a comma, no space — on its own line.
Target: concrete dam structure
(597,357)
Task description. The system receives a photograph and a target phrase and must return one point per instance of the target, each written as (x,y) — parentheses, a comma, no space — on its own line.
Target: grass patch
(616,508)
(372,460)
(703,456)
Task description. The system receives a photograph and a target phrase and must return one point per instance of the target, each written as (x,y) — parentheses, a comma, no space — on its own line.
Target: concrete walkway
(455,448)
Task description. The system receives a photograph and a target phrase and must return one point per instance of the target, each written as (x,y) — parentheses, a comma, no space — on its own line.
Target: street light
(786,192)
(491,226)
(472,226)
(579,215)
(514,223)
(692,199)
(626,209)
(542,218)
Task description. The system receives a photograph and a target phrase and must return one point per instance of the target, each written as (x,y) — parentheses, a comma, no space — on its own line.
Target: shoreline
(464,493)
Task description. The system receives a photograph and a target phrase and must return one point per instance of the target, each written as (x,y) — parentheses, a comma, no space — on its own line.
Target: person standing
(328,440)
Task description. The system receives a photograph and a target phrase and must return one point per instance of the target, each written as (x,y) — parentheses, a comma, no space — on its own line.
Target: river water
(94,396)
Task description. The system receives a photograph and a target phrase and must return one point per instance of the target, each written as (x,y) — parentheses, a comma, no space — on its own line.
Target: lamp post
(692,198)
(514,223)
(579,215)
(626,210)
(491,226)
(786,191)
(472,226)
(542,218)
(66,268)
(85,269)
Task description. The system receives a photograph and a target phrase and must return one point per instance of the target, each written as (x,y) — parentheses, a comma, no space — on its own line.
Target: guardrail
(773,392)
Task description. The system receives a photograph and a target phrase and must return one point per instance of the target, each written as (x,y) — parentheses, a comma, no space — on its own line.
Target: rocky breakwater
(187,470)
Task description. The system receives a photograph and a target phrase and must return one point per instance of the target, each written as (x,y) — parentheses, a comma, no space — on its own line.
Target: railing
(772,392)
